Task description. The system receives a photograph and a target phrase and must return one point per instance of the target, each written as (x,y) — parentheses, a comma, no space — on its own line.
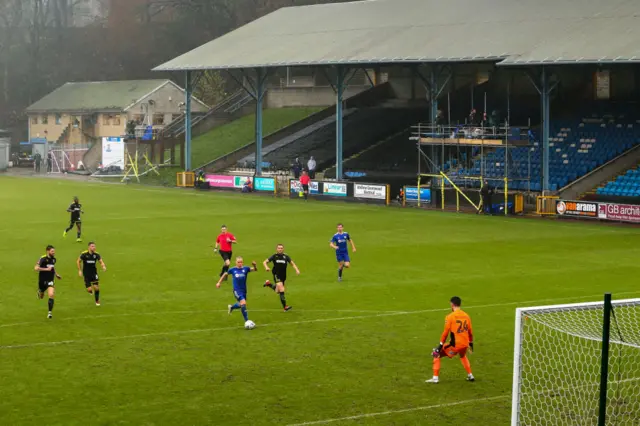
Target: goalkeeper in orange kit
(458,326)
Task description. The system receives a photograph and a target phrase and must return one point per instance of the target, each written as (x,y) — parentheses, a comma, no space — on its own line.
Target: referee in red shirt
(304,181)
(224,245)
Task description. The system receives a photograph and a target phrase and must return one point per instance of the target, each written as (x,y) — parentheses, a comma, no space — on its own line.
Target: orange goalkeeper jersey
(458,326)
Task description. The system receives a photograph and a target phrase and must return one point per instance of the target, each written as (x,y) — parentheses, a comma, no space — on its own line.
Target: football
(267,283)
(249,325)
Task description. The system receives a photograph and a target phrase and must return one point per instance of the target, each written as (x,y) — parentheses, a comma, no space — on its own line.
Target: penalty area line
(403,410)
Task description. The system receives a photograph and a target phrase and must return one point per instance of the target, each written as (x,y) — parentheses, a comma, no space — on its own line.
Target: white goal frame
(517,353)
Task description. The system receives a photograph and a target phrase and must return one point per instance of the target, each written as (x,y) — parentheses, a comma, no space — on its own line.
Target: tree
(210,88)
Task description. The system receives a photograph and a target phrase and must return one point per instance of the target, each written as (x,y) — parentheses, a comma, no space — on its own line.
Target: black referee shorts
(226,255)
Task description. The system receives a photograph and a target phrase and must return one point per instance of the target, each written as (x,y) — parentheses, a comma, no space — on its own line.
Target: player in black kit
(280,262)
(87,268)
(46,276)
(75,209)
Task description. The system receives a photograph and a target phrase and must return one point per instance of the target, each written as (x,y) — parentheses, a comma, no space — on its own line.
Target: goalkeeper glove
(436,351)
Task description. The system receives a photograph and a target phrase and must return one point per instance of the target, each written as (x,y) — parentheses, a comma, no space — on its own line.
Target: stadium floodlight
(577,364)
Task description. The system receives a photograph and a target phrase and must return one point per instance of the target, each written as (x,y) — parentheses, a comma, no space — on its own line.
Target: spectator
(304,181)
(311,164)
(49,162)
(248,186)
(486,192)
(297,168)
(37,161)
(200,180)
(400,197)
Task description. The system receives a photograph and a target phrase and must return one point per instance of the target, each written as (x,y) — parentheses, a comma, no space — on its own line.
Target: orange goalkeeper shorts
(451,351)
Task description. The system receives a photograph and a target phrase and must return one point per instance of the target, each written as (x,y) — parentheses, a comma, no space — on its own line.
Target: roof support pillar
(545,115)
(433,96)
(261,78)
(187,121)
(341,72)
(257,89)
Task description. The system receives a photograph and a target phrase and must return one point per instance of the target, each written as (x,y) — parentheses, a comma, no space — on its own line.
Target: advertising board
(314,187)
(373,192)
(237,182)
(577,208)
(220,181)
(264,184)
(113,152)
(334,189)
(619,212)
(411,194)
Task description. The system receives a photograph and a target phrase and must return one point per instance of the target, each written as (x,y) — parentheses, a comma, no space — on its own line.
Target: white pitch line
(205,330)
(200,330)
(134,314)
(450,404)
(404,410)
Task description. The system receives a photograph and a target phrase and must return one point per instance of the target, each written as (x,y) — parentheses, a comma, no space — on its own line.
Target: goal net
(558,359)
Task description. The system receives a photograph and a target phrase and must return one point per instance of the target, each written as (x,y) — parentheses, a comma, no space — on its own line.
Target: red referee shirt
(305,179)
(224,244)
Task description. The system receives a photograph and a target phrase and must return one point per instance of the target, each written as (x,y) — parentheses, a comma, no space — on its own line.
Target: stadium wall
(281,97)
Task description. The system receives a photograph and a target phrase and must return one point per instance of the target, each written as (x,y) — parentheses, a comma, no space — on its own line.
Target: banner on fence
(335,189)
(619,212)
(264,184)
(220,181)
(238,182)
(113,152)
(577,208)
(373,192)
(411,194)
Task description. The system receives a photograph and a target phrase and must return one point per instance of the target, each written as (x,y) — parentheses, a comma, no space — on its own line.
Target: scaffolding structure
(447,154)
(137,163)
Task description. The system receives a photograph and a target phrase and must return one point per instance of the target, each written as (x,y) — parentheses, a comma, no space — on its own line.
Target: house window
(138,118)
(45,119)
(158,119)
(106,120)
(58,119)
(34,119)
(116,120)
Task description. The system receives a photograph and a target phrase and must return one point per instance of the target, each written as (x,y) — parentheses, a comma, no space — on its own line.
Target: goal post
(577,364)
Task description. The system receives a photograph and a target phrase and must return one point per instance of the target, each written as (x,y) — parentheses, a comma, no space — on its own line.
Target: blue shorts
(239,295)
(342,256)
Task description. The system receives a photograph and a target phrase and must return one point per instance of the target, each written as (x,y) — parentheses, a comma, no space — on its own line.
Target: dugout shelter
(432,38)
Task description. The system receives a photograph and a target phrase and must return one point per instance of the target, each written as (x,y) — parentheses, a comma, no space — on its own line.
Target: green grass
(161,349)
(225,139)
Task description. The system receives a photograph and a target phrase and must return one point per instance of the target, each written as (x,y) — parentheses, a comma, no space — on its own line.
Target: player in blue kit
(239,277)
(340,243)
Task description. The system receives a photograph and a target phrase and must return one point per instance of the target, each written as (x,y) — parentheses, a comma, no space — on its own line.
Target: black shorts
(226,255)
(279,278)
(90,279)
(43,285)
(74,221)
(305,188)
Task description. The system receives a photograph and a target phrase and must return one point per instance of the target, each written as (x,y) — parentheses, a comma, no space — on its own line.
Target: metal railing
(228,105)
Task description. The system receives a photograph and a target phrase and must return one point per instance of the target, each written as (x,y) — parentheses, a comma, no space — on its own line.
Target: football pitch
(161,350)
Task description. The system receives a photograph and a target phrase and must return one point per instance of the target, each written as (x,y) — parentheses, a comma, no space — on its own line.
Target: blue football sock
(244,313)
(235,306)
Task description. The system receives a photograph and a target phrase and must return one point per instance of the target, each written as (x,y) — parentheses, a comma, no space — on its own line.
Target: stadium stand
(362,128)
(626,185)
(394,155)
(577,148)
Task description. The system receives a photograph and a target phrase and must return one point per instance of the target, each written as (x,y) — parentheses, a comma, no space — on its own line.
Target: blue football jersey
(239,277)
(340,240)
